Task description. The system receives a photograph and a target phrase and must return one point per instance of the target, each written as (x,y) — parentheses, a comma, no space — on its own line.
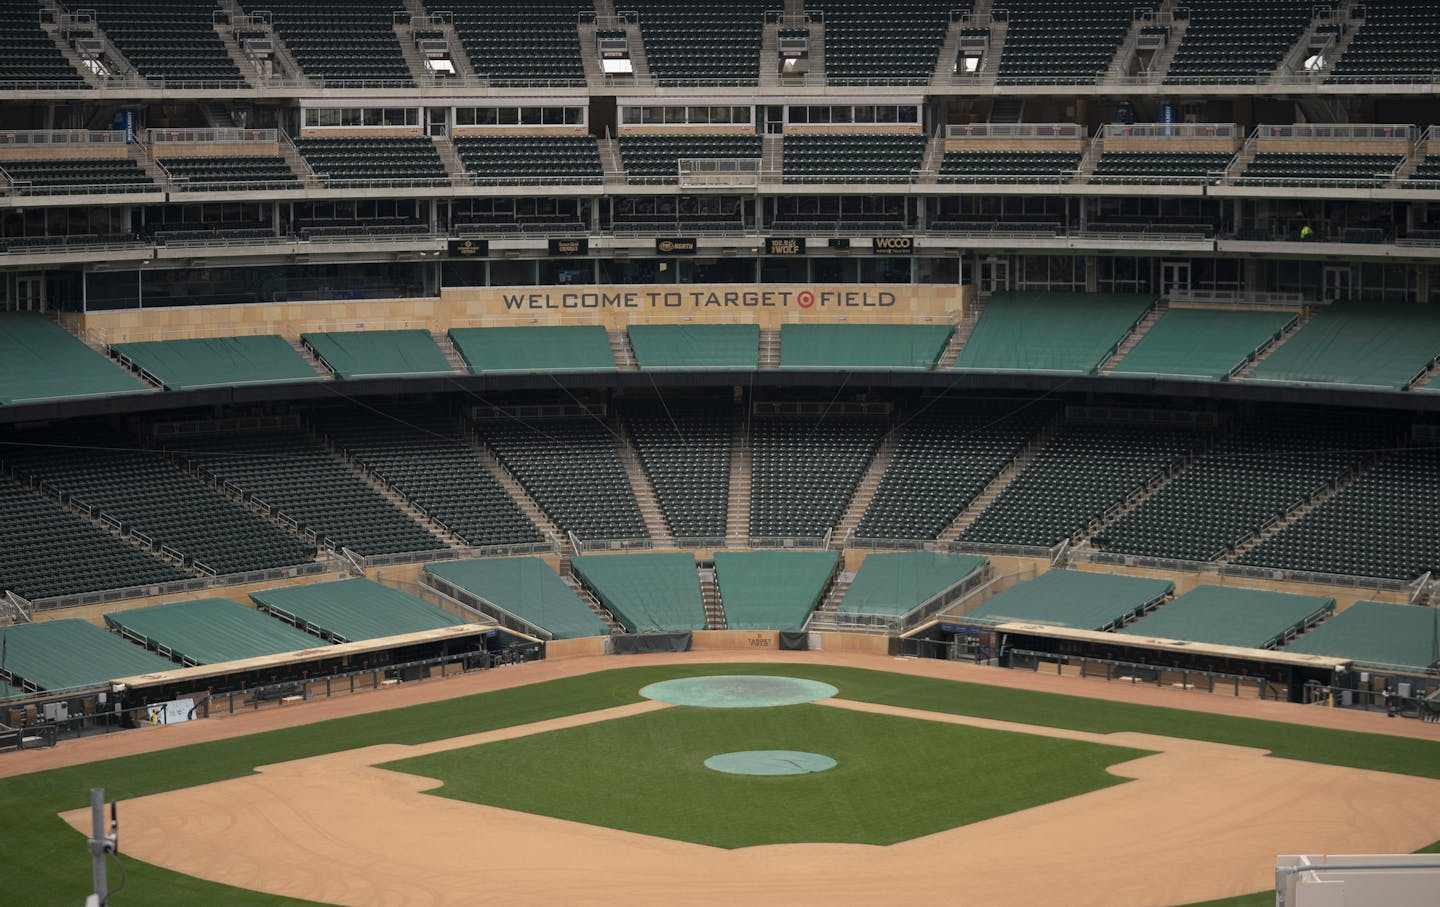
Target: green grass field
(44,862)
(897,778)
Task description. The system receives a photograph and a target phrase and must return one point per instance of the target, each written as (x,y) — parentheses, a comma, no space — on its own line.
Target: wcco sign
(892,245)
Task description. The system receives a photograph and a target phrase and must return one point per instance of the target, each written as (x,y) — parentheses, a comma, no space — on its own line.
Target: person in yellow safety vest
(1307,232)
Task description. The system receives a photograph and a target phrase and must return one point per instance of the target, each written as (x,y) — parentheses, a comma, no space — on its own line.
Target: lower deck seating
(645,592)
(416,452)
(772,590)
(884,347)
(48,551)
(1065,333)
(351,610)
(1228,616)
(574,473)
(378,354)
(686,453)
(208,631)
(1203,344)
(526,587)
(300,480)
(1381,525)
(894,584)
(693,347)
(804,471)
(218,361)
(1258,473)
(39,362)
(944,457)
(564,348)
(69,653)
(1074,598)
(1356,344)
(1076,477)
(1375,634)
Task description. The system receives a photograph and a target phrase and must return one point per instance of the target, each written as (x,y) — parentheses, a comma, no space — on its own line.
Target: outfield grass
(875,795)
(43,861)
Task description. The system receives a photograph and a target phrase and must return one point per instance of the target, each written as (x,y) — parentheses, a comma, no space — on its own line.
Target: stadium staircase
(140,154)
(1290,517)
(836,593)
(997,485)
(1140,496)
(582,592)
(517,492)
(57,35)
(283,64)
(450,157)
(420,20)
(610,161)
(949,52)
(1353,24)
(930,164)
(242,60)
(452,355)
(1160,63)
(710,597)
(1428,378)
(769,349)
(1006,110)
(737,507)
(1135,336)
(1086,168)
(772,164)
(1124,62)
(120,67)
(623,352)
(865,490)
(1289,332)
(963,329)
(641,486)
(1293,63)
(311,359)
(384,489)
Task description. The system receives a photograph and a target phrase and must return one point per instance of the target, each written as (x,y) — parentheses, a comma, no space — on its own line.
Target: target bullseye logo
(806,299)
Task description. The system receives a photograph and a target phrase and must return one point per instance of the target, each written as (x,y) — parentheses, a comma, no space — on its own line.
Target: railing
(1016,131)
(718,171)
(1338,131)
(191,585)
(48,137)
(1239,297)
(22,607)
(485,606)
(1171,131)
(226,136)
(845,620)
(1242,571)
(1049,553)
(162,430)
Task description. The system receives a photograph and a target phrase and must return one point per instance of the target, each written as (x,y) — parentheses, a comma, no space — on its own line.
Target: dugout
(1265,673)
(409,656)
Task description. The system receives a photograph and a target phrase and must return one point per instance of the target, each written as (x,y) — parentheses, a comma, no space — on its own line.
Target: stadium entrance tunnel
(738,691)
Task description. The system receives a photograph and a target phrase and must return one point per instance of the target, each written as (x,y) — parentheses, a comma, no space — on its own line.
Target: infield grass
(43,861)
(897,778)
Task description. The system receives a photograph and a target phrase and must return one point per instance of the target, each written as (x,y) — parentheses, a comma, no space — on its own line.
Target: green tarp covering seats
(771,590)
(379,354)
(646,591)
(527,588)
(59,654)
(349,610)
(39,361)
(1224,616)
(862,346)
(1357,344)
(897,583)
(1202,344)
(1055,333)
(219,361)
(1375,634)
(1072,598)
(576,348)
(9,692)
(696,346)
(210,630)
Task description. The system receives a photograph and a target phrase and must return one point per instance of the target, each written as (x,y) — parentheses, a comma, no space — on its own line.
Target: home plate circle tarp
(738,691)
(769,762)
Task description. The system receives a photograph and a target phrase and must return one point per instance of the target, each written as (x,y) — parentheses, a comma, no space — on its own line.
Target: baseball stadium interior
(361,342)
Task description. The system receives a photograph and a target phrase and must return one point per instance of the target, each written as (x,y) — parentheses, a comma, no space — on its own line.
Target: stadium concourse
(345,346)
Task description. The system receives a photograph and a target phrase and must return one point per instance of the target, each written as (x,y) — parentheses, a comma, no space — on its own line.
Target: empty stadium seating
(1161,167)
(71,176)
(1234,41)
(339,42)
(944,457)
(526,587)
(645,592)
(1394,43)
(1072,598)
(39,361)
(805,470)
(47,551)
(172,40)
(353,609)
(702,41)
(290,473)
(503,160)
(1071,333)
(1075,478)
(857,346)
(852,158)
(1226,616)
(27,54)
(208,631)
(63,654)
(417,453)
(1070,42)
(142,490)
(686,453)
(535,43)
(693,347)
(572,470)
(1249,478)
(652,158)
(1375,634)
(215,174)
(218,361)
(1356,344)
(772,590)
(387,161)
(1381,525)
(896,42)
(1317,168)
(895,583)
(378,354)
(1202,344)
(1008,166)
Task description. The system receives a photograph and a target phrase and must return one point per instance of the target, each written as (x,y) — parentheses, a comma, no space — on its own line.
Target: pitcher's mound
(770,762)
(738,691)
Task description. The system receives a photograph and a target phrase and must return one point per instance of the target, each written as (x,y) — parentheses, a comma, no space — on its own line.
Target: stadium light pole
(104,842)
